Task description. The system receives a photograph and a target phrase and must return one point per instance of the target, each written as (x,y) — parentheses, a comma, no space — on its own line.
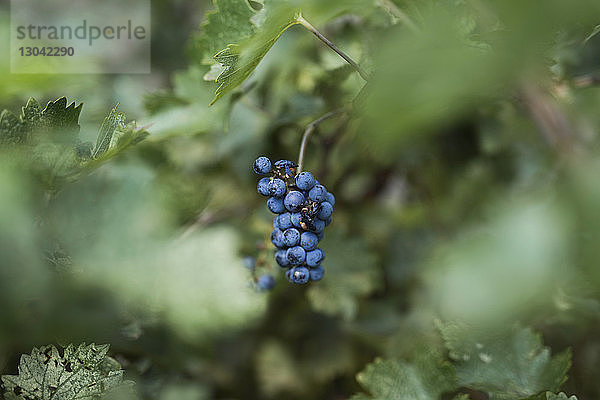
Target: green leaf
(114,121)
(58,117)
(244,37)
(467,281)
(506,366)
(196,284)
(11,128)
(552,396)
(426,378)
(58,123)
(239,60)
(31,113)
(228,23)
(51,138)
(121,138)
(192,117)
(351,272)
(82,372)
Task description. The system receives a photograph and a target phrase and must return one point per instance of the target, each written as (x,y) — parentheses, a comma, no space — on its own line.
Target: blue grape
(296,255)
(328,221)
(275,205)
(263,186)
(294,201)
(285,163)
(314,257)
(277,238)
(291,237)
(320,235)
(330,198)
(262,165)
(249,262)
(316,274)
(265,282)
(309,241)
(281,259)
(277,187)
(299,275)
(296,219)
(325,211)
(284,221)
(317,225)
(317,193)
(305,181)
(288,275)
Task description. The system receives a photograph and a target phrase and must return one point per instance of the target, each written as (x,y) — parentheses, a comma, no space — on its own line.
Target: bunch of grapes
(303,207)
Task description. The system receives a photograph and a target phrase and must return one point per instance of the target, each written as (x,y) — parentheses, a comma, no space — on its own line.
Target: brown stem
(309,130)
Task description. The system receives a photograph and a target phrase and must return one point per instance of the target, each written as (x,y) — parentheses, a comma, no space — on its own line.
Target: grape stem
(309,130)
(328,42)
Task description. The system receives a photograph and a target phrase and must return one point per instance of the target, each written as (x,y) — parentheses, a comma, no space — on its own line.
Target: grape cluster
(303,207)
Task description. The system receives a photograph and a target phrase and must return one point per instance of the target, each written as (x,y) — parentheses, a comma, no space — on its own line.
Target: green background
(467,206)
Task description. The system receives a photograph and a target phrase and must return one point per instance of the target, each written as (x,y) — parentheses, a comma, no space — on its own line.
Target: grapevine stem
(309,130)
(319,35)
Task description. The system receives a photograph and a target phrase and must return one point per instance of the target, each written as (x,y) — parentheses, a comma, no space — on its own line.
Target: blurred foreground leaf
(81,372)
(426,378)
(48,141)
(507,367)
(126,246)
(505,267)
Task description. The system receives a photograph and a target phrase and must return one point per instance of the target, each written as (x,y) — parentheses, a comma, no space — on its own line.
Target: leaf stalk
(328,42)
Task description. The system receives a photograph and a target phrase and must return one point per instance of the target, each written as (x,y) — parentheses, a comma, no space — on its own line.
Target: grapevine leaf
(239,60)
(552,396)
(245,37)
(31,113)
(11,128)
(507,366)
(351,272)
(59,118)
(123,136)
(426,378)
(81,372)
(50,138)
(57,122)
(228,23)
(113,122)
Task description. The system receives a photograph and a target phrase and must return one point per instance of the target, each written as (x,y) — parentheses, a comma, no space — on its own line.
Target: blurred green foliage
(462,260)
